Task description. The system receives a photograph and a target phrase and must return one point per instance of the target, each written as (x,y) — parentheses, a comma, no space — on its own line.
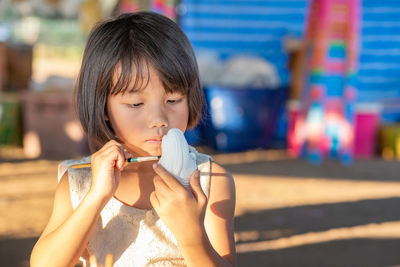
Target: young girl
(138,79)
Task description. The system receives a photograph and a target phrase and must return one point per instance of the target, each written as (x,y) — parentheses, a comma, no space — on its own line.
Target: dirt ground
(289,213)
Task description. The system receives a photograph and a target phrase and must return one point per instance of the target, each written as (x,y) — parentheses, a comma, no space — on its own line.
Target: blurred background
(301,104)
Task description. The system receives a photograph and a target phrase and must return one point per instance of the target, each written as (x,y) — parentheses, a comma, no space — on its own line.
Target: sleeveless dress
(135,237)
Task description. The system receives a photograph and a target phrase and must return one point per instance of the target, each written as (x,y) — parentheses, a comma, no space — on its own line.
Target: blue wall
(246,27)
(379,69)
(256,28)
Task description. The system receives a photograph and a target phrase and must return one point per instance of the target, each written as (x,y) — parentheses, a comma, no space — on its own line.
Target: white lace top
(134,237)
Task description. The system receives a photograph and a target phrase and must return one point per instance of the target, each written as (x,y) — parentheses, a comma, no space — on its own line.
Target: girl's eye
(174,101)
(136,105)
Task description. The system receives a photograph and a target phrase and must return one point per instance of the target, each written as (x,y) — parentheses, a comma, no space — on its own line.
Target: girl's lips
(156,140)
(154,143)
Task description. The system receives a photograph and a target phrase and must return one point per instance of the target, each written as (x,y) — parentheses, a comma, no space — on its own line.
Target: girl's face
(140,119)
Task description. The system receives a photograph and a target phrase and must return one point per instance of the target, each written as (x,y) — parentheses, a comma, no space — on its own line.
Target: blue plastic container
(242,119)
(194,136)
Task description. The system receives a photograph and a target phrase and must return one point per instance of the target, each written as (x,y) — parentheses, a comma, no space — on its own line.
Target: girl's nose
(157,118)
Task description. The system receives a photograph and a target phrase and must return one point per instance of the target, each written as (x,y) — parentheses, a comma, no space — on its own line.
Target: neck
(140,168)
(136,184)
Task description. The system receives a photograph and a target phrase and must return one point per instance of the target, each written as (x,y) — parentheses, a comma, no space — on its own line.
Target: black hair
(132,43)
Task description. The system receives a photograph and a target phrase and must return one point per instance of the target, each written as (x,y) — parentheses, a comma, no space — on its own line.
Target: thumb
(196,187)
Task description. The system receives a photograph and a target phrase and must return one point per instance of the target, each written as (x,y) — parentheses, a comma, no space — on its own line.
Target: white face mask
(176,156)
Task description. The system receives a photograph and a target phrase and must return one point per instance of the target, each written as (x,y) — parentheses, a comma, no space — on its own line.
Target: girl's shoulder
(79,180)
(204,166)
(66,165)
(200,157)
(224,186)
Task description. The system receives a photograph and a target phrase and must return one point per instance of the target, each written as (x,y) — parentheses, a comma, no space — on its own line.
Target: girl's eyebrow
(135,91)
(130,93)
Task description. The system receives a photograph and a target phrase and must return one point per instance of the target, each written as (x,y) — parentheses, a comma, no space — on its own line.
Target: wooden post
(3,65)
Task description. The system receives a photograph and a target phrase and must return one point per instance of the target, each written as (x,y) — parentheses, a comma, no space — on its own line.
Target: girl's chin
(153,149)
(144,151)
(151,152)
(157,152)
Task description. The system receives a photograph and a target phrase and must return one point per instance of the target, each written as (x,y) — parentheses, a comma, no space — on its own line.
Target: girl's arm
(218,244)
(203,229)
(67,232)
(219,219)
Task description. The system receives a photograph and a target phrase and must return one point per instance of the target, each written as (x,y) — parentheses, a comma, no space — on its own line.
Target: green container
(10,120)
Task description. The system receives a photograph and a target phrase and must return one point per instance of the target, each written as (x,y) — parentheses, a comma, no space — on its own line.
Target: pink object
(294,144)
(336,66)
(366,128)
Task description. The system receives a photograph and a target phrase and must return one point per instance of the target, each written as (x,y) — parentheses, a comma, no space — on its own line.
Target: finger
(154,200)
(104,154)
(196,187)
(120,157)
(127,154)
(105,149)
(109,144)
(114,153)
(167,177)
(160,187)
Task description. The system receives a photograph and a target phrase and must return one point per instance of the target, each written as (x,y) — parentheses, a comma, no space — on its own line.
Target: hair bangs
(131,74)
(174,87)
(173,78)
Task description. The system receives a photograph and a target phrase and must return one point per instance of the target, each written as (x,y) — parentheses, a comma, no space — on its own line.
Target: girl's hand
(180,210)
(107,164)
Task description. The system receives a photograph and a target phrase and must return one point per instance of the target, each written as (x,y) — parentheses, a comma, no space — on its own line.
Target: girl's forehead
(136,78)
